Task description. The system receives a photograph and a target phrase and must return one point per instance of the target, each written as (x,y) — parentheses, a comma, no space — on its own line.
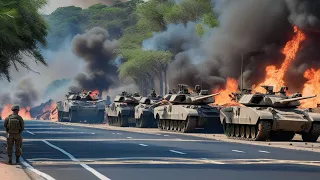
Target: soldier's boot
(10,160)
(18,159)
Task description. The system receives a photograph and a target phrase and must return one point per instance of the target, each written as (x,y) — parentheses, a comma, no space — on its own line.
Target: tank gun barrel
(204,97)
(296,99)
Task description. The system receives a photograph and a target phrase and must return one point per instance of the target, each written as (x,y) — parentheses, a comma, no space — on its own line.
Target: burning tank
(121,111)
(144,111)
(270,116)
(186,111)
(80,106)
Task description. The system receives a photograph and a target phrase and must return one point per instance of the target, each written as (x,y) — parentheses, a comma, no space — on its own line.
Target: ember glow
(223,97)
(311,87)
(274,76)
(94,92)
(24,112)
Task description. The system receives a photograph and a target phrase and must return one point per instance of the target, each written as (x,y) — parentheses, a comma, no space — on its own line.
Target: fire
(24,112)
(311,87)
(223,97)
(94,92)
(274,76)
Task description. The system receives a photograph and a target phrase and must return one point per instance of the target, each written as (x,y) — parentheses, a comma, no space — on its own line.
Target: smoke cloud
(97,51)
(258,30)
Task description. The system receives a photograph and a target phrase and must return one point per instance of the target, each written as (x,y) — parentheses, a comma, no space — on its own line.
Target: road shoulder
(296,144)
(10,172)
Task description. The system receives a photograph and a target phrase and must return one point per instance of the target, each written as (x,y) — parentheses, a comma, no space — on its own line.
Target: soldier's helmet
(15,107)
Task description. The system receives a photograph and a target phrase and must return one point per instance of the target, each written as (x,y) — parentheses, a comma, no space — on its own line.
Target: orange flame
(274,76)
(223,97)
(311,87)
(94,92)
(24,112)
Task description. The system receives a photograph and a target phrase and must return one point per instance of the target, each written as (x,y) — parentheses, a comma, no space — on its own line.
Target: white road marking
(93,133)
(143,145)
(49,128)
(122,139)
(129,137)
(29,167)
(30,132)
(264,151)
(166,135)
(96,173)
(238,151)
(119,133)
(178,152)
(158,134)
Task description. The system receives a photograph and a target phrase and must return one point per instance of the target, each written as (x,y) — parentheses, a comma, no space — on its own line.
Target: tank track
(117,121)
(184,126)
(313,135)
(260,132)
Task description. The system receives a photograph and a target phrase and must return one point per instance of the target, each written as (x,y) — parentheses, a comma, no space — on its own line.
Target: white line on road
(129,137)
(143,145)
(119,133)
(93,133)
(178,152)
(29,167)
(166,135)
(264,151)
(96,173)
(238,151)
(158,134)
(30,132)
(49,128)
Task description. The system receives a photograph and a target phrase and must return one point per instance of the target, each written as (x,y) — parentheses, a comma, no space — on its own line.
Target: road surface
(65,152)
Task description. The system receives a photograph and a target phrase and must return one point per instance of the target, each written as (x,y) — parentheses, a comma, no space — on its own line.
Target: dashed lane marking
(129,137)
(238,151)
(29,167)
(166,135)
(94,172)
(30,132)
(119,133)
(178,152)
(264,151)
(143,145)
(114,139)
(158,134)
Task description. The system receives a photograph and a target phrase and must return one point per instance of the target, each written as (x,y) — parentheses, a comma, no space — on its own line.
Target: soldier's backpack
(14,124)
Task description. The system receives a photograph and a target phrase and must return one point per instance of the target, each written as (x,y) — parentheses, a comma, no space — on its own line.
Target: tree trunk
(161,83)
(165,82)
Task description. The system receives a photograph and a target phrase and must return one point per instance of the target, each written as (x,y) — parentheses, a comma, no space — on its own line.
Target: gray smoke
(258,30)
(97,51)
(25,95)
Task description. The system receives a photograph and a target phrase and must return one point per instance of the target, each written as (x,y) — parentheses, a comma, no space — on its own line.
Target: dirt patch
(295,144)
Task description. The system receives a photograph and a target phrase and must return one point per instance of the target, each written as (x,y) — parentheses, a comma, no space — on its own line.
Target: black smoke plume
(258,30)
(97,51)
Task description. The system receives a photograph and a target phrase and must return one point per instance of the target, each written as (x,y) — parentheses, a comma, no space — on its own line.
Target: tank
(271,116)
(144,111)
(80,106)
(121,111)
(186,111)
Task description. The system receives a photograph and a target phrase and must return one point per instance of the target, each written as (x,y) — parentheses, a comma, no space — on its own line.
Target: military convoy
(144,111)
(270,116)
(186,111)
(80,106)
(121,111)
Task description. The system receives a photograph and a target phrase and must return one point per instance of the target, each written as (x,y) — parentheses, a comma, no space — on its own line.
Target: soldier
(14,125)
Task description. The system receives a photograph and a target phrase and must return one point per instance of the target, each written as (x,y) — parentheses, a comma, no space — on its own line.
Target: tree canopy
(22,29)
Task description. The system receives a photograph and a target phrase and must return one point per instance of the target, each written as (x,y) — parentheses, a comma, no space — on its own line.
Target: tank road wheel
(253,132)
(73,116)
(172,125)
(138,123)
(179,126)
(242,131)
(237,130)
(168,125)
(175,125)
(189,125)
(313,134)
(232,130)
(263,130)
(228,130)
(248,132)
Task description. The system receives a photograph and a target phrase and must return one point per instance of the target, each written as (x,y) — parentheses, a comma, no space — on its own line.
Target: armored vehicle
(79,107)
(270,116)
(144,111)
(186,111)
(121,111)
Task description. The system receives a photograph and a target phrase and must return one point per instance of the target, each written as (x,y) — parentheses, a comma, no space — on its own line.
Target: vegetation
(21,30)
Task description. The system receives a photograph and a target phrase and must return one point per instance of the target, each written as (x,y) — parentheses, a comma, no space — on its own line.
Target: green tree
(22,29)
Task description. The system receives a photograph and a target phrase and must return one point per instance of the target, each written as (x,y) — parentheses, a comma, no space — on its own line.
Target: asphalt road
(68,152)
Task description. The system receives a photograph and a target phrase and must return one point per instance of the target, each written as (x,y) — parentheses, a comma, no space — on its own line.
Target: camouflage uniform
(14,125)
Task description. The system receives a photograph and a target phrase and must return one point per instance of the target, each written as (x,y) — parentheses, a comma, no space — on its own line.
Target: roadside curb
(292,145)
